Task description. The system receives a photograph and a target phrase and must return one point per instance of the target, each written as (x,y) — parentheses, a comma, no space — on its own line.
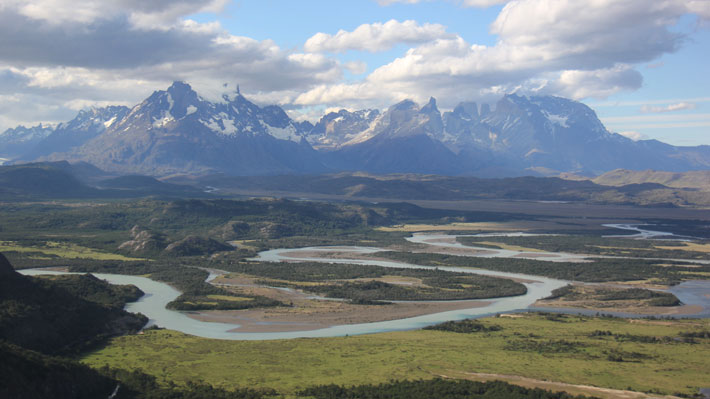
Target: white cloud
(143,13)
(598,83)
(356,67)
(572,48)
(57,54)
(634,135)
(375,37)
(682,106)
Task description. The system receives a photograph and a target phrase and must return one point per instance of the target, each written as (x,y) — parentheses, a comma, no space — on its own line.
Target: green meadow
(668,357)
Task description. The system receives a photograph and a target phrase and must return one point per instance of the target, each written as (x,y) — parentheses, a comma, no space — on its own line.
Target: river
(158,295)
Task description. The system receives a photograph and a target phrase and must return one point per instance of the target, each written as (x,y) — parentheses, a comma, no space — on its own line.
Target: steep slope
(404,139)
(41,316)
(552,134)
(176,131)
(337,128)
(41,180)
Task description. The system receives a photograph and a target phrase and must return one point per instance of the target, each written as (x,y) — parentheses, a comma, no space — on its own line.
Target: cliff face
(5,266)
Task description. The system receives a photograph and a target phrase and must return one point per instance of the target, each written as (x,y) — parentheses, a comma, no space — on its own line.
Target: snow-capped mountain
(337,128)
(177,131)
(85,126)
(521,135)
(19,140)
(552,135)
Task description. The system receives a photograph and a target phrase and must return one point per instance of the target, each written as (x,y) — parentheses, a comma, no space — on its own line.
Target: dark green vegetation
(145,228)
(436,388)
(431,187)
(649,297)
(176,236)
(463,326)
(685,337)
(594,245)
(92,289)
(42,315)
(336,281)
(51,180)
(183,275)
(31,375)
(598,270)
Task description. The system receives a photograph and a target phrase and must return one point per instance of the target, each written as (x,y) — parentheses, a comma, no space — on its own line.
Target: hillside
(433,187)
(695,179)
(47,317)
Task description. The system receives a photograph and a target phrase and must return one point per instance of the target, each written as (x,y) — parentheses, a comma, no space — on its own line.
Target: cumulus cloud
(573,48)
(682,106)
(375,37)
(142,13)
(66,53)
(62,54)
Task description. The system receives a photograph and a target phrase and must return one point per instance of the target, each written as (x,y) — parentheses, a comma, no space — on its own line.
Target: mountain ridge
(175,131)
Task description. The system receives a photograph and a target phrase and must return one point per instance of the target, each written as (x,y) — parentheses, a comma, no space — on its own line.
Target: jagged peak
(179,86)
(467,108)
(430,106)
(404,105)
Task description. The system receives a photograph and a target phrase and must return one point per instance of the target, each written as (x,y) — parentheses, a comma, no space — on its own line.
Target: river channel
(158,295)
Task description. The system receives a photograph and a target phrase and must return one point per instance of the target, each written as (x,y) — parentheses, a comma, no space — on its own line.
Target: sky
(641,65)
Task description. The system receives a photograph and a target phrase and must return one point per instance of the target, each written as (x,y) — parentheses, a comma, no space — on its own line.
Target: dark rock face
(5,266)
(143,242)
(194,245)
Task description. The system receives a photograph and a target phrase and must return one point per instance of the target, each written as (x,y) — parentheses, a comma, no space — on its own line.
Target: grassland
(595,245)
(61,250)
(555,348)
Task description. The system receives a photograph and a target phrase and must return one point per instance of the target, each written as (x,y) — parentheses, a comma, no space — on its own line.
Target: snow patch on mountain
(287,133)
(560,120)
(110,122)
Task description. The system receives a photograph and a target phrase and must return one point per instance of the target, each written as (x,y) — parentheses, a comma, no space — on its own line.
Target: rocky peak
(466,111)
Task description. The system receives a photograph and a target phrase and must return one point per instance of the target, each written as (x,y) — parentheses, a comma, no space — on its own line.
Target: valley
(374,199)
(297,269)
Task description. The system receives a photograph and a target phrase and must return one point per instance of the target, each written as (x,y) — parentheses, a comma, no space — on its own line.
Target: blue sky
(640,65)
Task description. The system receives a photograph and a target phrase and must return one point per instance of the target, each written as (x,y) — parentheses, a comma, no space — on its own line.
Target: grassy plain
(543,347)
(62,250)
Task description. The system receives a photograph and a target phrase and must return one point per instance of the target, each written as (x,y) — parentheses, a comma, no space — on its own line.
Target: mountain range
(175,131)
